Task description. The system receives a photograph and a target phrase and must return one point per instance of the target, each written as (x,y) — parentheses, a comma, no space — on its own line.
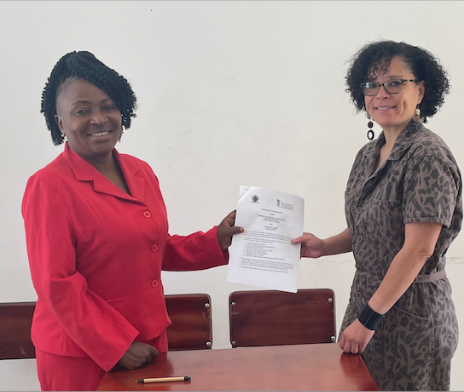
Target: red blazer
(96,255)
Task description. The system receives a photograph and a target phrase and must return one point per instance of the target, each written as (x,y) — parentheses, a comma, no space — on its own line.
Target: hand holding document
(263,255)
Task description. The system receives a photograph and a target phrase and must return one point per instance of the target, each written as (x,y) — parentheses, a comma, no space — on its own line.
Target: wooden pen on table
(163,379)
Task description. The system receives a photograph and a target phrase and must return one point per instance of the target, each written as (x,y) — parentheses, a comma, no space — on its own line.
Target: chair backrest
(271,318)
(15,330)
(190,315)
(191,327)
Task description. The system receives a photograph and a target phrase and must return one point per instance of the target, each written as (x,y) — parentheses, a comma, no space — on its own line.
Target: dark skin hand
(137,355)
(226,230)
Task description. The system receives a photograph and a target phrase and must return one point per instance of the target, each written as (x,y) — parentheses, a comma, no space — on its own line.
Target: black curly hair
(86,66)
(422,64)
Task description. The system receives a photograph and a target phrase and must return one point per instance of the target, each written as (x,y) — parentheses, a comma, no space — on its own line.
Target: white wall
(229,93)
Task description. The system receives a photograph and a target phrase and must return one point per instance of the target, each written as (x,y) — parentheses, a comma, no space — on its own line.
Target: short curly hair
(422,64)
(85,65)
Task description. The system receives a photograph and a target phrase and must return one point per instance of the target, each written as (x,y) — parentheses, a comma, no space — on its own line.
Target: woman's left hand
(355,338)
(226,230)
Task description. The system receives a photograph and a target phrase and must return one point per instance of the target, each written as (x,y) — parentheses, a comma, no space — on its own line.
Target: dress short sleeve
(430,191)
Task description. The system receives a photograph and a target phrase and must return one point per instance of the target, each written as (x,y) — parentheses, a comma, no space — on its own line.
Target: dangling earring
(370,124)
(416,117)
(120,135)
(63,135)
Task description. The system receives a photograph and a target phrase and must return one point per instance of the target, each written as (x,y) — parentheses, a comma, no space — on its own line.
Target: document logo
(285,206)
(254,199)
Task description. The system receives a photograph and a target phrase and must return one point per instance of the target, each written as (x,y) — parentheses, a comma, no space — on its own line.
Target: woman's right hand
(138,355)
(311,246)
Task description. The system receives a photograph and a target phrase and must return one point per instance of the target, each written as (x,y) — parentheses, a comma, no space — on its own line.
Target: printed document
(263,255)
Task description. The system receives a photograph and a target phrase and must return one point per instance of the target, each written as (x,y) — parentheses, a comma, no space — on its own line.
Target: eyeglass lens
(392,87)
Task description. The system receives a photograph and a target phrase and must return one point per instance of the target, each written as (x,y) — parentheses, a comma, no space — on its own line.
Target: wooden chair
(191,327)
(15,330)
(271,318)
(190,315)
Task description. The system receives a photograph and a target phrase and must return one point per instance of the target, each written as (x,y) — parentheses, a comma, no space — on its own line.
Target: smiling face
(394,111)
(89,119)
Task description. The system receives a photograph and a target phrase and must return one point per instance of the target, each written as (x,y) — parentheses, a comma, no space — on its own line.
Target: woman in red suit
(97,235)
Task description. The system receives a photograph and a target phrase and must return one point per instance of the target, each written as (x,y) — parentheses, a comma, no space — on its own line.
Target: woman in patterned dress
(403,209)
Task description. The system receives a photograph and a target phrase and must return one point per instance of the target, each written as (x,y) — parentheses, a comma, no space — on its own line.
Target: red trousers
(62,373)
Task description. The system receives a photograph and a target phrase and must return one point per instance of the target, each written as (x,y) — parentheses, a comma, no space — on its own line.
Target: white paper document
(263,255)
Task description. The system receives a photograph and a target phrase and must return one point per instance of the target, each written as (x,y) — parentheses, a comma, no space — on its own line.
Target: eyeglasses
(393,86)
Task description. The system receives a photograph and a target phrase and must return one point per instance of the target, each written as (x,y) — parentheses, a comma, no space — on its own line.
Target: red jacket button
(154,248)
(154,283)
(147,214)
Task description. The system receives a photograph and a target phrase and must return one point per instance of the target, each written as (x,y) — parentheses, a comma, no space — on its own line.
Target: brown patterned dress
(419,182)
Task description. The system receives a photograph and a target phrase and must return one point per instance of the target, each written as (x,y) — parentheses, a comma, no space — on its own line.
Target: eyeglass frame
(403,81)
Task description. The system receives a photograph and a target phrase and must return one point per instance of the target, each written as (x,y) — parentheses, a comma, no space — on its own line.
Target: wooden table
(271,368)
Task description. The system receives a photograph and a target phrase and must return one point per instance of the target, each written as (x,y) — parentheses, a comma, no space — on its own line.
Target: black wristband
(369,318)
